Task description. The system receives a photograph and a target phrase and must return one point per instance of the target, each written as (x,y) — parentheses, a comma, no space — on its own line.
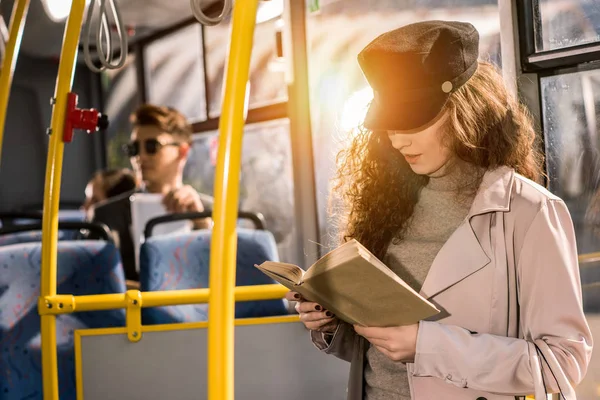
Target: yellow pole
(64,82)
(96,302)
(227,175)
(15,34)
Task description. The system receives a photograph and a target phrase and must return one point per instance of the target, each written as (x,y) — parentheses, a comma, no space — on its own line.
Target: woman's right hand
(314,316)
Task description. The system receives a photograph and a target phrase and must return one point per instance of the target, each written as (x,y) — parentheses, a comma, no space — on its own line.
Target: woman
(440,185)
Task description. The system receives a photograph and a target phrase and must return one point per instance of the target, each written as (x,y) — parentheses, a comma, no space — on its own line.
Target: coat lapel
(461,256)
(463,253)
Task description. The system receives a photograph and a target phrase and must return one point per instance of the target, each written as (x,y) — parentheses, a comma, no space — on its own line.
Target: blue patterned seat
(28,237)
(181,261)
(36,236)
(84,267)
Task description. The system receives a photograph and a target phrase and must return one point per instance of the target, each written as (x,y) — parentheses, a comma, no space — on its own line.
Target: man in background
(158,150)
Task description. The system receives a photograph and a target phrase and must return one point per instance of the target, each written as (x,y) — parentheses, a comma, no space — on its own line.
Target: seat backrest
(26,237)
(25,218)
(67,230)
(181,261)
(84,267)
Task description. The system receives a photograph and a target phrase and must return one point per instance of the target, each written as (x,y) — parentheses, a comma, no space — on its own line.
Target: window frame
(535,65)
(532,60)
(262,113)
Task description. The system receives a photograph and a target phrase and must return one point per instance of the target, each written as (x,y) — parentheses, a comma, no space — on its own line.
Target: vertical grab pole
(64,81)
(15,34)
(224,239)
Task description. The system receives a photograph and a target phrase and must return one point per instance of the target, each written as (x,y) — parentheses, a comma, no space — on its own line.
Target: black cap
(414,69)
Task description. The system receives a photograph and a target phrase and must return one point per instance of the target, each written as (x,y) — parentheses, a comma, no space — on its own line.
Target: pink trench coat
(507,282)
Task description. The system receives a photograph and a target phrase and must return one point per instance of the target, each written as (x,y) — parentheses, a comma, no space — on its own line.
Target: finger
(190,202)
(193,201)
(165,198)
(188,189)
(189,199)
(198,205)
(293,296)
(307,306)
(315,316)
(168,201)
(317,325)
(192,191)
(184,202)
(178,201)
(193,204)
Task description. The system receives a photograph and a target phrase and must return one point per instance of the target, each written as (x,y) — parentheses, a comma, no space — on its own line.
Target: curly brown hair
(486,127)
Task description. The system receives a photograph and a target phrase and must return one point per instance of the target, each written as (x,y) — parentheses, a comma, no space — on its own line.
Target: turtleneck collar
(455,176)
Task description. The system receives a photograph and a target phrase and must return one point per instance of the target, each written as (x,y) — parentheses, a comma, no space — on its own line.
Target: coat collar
(463,253)
(494,192)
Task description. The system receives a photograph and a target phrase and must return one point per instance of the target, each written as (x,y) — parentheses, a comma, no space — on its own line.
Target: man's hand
(398,343)
(186,199)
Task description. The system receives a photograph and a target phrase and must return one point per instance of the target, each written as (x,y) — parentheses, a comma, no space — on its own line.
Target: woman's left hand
(398,343)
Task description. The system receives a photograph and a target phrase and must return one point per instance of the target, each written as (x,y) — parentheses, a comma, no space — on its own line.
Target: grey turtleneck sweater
(439,211)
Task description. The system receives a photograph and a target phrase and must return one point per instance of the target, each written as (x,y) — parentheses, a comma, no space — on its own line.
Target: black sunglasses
(151,146)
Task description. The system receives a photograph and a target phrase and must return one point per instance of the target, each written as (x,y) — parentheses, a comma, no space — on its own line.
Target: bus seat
(67,230)
(63,215)
(25,237)
(28,217)
(84,267)
(181,261)
(35,217)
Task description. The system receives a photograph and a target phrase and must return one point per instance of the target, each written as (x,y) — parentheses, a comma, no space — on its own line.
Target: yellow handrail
(64,82)
(588,258)
(227,176)
(15,34)
(67,303)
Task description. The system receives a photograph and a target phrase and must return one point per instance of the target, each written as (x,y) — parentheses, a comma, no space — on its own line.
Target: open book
(356,286)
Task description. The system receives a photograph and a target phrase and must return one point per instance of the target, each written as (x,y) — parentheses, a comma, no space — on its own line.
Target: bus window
(266,182)
(571,106)
(339,94)
(571,103)
(267,80)
(567,23)
(120,91)
(176,72)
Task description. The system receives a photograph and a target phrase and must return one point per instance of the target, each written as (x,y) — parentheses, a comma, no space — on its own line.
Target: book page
(362,290)
(292,274)
(335,257)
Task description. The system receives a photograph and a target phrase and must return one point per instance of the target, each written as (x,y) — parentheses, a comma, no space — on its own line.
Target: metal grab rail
(101,230)
(16,25)
(223,245)
(100,302)
(257,219)
(54,164)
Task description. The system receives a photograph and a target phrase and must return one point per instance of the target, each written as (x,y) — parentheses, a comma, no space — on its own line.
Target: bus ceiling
(142,18)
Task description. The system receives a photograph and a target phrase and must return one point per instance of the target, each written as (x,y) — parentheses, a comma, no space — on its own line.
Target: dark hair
(116,181)
(167,119)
